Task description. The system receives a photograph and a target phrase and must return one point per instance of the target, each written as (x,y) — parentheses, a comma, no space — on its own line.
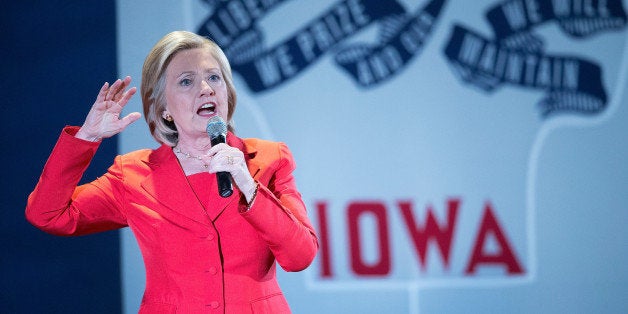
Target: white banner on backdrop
(419,129)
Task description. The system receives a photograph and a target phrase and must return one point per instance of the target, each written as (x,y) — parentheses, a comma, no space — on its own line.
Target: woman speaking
(203,252)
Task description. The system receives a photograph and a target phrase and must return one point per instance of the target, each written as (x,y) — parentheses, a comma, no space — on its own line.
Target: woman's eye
(185,82)
(214,78)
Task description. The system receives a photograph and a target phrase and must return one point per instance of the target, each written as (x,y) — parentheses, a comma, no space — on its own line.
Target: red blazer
(198,259)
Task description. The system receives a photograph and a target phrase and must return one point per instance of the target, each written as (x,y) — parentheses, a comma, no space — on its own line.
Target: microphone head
(216,126)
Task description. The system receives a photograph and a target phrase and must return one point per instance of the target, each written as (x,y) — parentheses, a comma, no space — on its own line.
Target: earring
(168,117)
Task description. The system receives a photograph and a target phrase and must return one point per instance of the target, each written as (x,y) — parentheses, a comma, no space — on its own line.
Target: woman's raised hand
(103,120)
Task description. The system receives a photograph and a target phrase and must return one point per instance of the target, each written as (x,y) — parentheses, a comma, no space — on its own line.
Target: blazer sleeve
(58,206)
(279,215)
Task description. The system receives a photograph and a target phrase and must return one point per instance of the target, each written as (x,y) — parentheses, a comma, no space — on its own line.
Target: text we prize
(489,245)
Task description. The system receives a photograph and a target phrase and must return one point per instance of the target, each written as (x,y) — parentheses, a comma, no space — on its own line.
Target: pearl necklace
(190,156)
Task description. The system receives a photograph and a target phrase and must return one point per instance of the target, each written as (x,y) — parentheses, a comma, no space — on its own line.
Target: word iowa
(490,245)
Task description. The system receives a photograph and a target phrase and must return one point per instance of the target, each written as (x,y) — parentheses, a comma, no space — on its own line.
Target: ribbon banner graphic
(402,38)
(579,19)
(515,55)
(232,25)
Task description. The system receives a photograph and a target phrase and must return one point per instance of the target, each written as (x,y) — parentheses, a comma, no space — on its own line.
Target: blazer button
(212,270)
(210,237)
(214,304)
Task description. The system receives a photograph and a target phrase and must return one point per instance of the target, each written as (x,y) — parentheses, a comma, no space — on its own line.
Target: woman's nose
(206,88)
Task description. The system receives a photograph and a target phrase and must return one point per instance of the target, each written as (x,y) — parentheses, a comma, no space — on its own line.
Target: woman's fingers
(128,119)
(103,120)
(127,96)
(117,89)
(230,159)
(102,93)
(225,158)
(219,148)
(112,90)
(115,97)
(121,91)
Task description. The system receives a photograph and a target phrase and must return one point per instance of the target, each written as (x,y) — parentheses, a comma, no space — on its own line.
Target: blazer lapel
(168,185)
(219,204)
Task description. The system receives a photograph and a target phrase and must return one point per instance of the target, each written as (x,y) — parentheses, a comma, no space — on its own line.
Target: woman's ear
(166,115)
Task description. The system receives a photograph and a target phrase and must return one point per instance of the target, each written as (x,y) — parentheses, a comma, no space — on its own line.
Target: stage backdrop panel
(455,156)
(55,57)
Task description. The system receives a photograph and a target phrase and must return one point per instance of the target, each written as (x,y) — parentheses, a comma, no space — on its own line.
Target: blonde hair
(154,81)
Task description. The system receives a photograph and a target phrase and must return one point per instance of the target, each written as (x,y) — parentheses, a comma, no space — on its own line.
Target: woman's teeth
(206,108)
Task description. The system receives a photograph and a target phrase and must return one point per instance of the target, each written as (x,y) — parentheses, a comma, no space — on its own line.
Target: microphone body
(217,131)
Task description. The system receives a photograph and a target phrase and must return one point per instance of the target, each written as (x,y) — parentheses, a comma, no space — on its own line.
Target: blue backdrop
(55,56)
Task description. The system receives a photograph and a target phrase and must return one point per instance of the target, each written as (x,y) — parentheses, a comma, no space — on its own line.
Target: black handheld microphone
(217,131)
